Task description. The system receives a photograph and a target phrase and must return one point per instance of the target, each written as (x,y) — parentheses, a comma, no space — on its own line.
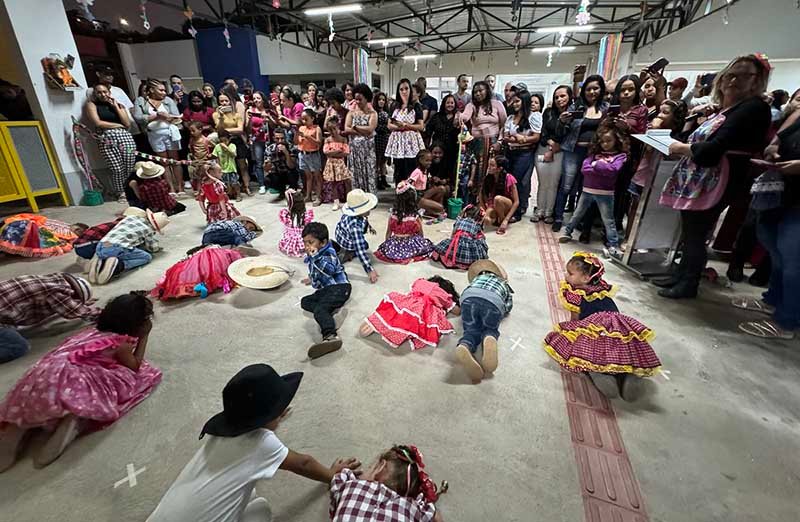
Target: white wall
(288,59)
(160,60)
(768,26)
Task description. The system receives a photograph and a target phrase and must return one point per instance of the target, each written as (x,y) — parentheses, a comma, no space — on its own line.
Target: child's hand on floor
(373,277)
(306,281)
(353,464)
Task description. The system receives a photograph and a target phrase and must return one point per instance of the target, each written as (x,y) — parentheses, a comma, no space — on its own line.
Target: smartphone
(577,115)
(692,117)
(764,163)
(708,79)
(176,88)
(273,97)
(659,65)
(613,110)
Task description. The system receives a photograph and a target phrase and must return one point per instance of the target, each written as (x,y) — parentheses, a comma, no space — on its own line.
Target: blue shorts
(230,179)
(310,161)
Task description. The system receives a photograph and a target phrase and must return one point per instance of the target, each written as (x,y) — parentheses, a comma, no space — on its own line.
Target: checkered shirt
(350,236)
(325,269)
(278,159)
(96,233)
(133,232)
(489,281)
(155,194)
(235,227)
(354,500)
(29,300)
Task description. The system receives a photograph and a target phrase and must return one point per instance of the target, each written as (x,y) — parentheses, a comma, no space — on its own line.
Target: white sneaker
(612,252)
(187,185)
(107,272)
(122,199)
(94,269)
(262,190)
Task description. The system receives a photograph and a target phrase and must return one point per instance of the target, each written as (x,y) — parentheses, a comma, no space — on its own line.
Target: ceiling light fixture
(420,57)
(387,41)
(562,49)
(122,21)
(325,11)
(565,29)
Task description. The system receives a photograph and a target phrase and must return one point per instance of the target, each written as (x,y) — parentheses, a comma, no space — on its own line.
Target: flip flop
(752,305)
(766,329)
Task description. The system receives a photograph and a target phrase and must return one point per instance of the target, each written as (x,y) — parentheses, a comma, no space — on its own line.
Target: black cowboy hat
(253,397)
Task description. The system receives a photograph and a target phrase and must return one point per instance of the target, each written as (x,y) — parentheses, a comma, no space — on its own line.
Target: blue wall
(240,61)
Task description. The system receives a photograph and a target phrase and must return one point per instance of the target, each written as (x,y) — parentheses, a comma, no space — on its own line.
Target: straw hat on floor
(158,220)
(259,273)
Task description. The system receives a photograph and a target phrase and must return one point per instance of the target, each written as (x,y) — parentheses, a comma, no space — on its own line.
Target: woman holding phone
(521,133)
(257,119)
(549,157)
(230,115)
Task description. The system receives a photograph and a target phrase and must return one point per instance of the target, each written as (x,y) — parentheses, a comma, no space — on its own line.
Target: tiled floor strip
(609,487)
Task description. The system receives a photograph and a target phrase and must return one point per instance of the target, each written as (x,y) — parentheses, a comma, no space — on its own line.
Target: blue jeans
(570,171)
(258,161)
(521,166)
(129,257)
(780,237)
(86,250)
(480,319)
(605,203)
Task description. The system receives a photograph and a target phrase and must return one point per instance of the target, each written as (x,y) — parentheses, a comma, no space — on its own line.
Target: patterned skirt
(460,251)
(404,250)
(208,266)
(35,237)
(220,211)
(362,163)
(604,342)
(400,319)
(404,144)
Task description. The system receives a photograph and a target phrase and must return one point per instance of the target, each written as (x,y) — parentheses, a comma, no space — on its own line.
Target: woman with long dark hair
(349,96)
(197,110)
(360,128)
(498,196)
(231,117)
(521,133)
(549,158)
(442,130)
(209,95)
(406,125)
(380,103)
(257,120)
(485,117)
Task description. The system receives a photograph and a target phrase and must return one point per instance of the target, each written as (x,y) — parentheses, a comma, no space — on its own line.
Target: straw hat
(157,220)
(485,265)
(148,169)
(247,219)
(260,273)
(359,202)
(134,211)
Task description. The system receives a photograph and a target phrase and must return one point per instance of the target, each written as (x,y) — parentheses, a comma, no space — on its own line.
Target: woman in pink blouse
(485,118)
(291,110)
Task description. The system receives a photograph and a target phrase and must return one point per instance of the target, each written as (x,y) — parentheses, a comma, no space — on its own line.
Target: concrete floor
(719,440)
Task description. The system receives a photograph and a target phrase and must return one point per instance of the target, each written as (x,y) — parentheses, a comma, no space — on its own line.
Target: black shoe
(759,278)
(556,226)
(735,273)
(585,237)
(682,290)
(514,219)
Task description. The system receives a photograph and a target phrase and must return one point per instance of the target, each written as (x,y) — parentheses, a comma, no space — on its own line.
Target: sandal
(752,305)
(766,329)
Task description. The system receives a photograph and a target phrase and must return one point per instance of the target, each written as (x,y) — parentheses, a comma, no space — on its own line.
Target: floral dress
(81,377)
(207,267)
(362,156)
(218,206)
(464,247)
(335,173)
(291,243)
(404,144)
(33,235)
(413,246)
(418,317)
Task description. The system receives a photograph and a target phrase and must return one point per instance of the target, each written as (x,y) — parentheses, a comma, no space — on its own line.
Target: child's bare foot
(329,344)
(489,361)
(469,363)
(366,329)
(68,429)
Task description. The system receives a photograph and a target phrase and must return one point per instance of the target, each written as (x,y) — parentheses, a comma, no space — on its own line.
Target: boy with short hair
(350,240)
(240,230)
(242,448)
(225,153)
(327,276)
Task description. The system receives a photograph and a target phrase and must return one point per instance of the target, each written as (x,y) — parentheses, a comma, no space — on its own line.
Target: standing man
(176,83)
(429,104)
(676,88)
(492,81)
(508,92)
(463,98)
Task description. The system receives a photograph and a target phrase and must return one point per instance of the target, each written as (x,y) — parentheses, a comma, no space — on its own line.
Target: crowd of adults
(726,120)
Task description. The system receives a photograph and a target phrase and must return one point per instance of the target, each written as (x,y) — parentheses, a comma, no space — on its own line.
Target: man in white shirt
(242,448)
(105,76)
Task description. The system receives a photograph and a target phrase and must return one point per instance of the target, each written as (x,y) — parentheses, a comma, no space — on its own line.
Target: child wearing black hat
(242,448)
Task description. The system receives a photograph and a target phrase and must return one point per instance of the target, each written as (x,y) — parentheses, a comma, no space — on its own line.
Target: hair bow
(593,260)
(427,487)
(290,197)
(402,187)
(763,59)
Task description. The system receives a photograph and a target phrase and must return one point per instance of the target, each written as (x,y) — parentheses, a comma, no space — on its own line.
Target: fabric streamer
(360,66)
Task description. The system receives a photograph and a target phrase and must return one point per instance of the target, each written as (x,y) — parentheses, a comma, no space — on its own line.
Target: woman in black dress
(440,129)
(381,138)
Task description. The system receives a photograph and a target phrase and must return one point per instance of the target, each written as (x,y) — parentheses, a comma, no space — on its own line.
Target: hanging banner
(608,55)
(361,66)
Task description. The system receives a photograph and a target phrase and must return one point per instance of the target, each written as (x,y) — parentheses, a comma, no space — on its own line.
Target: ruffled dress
(291,243)
(208,266)
(403,250)
(80,377)
(602,339)
(335,173)
(418,317)
(218,206)
(34,235)
(466,245)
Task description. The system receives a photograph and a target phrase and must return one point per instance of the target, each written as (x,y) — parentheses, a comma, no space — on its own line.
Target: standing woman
(522,131)
(256,123)
(714,165)
(335,98)
(485,117)
(209,95)
(349,96)
(549,158)
(406,125)
(198,111)
(311,92)
(654,92)
(235,126)
(579,124)
(381,138)
(159,114)
(111,122)
(291,111)
(442,129)
(360,128)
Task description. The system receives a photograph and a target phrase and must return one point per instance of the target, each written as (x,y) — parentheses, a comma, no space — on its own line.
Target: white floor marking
(132,472)
(517,343)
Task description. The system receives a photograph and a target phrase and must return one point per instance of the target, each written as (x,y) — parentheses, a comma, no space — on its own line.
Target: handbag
(767,191)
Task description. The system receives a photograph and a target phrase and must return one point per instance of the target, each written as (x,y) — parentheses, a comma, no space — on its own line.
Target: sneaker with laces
(262,190)
(612,252)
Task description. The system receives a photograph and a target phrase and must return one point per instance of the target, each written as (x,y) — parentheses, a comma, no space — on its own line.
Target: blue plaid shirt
(239,231)
(325,269)
(492,288)
(350,236)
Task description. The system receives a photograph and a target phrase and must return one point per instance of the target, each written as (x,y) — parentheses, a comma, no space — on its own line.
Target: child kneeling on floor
(327,276)
(242,448)
(484,303)
(395,489)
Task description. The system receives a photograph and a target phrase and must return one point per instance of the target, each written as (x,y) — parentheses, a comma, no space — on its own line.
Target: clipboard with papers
(659,139)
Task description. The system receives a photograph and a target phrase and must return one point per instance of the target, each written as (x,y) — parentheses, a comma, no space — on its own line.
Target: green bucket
(454,207)
(92,198)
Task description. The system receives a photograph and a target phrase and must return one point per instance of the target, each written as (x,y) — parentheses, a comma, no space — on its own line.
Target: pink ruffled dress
(291,243)
(208,266)
(80,377)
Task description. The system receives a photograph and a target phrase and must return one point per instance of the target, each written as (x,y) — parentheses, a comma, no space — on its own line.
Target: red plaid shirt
(96,233)
(155,194)
(355,500)
(30,300)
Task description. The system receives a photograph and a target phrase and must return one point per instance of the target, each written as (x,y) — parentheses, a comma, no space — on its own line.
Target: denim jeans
(570,172)
(480,319)
(258,160)
(324,302)
(521,166)
(129,257)
(781,237)
(605,203)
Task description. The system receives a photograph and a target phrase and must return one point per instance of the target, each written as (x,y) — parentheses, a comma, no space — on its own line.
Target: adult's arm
(745,128)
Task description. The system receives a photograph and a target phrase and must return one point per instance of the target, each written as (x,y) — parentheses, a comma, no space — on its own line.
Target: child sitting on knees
(327,276)
(484,303)
(152,189)
(241,449)
(395,488)
(351,228)
(467,243)
(405,241)
(498,196)
(431,191)
(225,154)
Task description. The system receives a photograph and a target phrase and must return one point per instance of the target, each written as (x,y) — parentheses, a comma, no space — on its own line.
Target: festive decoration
(188,13)
(550,58)
(276,4)
(85,5)
(227,34)
(56,70)
(516,10)
(331,28)
(441,61)
(583,17)
(143,16)
(608,55)
(360,66)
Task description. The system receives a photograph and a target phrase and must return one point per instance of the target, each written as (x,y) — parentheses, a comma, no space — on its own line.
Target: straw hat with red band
(158,220)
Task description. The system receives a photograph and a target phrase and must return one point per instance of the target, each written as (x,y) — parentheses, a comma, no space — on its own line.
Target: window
(440,86)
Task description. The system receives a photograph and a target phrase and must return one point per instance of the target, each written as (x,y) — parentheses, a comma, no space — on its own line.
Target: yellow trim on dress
(594,331)
(594,296)
(576,363)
